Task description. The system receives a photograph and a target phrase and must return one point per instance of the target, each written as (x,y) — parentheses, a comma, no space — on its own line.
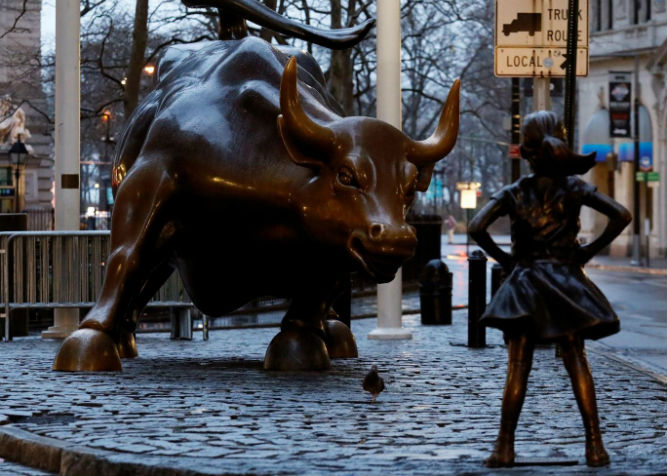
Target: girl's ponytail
(544,147)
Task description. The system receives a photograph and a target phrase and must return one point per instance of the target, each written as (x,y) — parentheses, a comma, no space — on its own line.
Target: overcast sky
(48,23)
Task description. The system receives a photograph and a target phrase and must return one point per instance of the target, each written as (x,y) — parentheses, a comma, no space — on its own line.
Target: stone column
(67,104)
(389,110)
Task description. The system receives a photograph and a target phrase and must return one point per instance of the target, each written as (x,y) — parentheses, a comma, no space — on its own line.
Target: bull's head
(366,173)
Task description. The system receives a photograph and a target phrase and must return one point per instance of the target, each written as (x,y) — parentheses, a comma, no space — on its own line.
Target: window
(6,176)
(641,11)
(596,15)
(602,17)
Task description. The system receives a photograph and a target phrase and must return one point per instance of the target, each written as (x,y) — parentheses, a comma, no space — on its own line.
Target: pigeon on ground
(373,383)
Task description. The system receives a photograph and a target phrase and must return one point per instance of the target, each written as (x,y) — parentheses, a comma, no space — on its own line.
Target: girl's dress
(547,294)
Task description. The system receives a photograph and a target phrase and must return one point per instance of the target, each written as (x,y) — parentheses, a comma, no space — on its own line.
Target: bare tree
(137,56)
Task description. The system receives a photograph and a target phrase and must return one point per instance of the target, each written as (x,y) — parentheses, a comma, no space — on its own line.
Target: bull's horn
(302,130)
(256,12)
(429,151)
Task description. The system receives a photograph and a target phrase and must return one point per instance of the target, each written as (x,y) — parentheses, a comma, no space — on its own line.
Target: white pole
(68,27)
(541,94)
(389,110)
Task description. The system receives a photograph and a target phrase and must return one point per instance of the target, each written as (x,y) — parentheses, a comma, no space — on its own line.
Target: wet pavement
(207,407)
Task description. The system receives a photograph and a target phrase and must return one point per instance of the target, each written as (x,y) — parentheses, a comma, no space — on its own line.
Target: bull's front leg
(337,335)
(308,338)
(138,243)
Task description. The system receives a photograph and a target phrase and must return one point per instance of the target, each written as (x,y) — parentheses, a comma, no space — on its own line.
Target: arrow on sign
(566,62)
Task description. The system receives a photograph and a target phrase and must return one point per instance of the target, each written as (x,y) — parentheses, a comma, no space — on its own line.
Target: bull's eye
(347,178)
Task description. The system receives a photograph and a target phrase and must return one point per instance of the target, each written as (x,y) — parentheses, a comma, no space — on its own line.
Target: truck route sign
(531,38)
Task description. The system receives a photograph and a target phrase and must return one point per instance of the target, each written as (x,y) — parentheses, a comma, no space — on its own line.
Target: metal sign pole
(636,211)
(571,69)
(516,127)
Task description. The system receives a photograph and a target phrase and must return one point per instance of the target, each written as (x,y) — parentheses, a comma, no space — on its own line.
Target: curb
(49,454)
(600,349)
(628,269)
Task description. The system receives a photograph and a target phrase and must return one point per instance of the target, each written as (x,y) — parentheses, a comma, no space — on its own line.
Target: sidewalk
(657,265)
(208,408)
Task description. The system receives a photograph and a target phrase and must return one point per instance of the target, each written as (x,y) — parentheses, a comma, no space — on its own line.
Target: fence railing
(62,269)
(40,219)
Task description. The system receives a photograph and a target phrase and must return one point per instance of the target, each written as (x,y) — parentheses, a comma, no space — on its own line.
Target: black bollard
(476,298)
(435,293)
(497,278)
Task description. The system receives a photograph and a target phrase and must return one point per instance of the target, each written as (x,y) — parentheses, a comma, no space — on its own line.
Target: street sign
(468,199)
(468,185)
(531,38)
(541,62)
(515,151)
(647,176)
(645,163)
(620,93)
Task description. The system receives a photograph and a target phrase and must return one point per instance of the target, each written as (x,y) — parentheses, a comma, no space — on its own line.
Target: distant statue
(12,125)
(546,296)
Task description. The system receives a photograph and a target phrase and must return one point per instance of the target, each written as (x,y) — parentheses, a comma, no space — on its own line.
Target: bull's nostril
(376,231)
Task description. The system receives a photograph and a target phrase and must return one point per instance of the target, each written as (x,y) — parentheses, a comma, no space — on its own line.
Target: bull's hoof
(88,350)
(297,350)
(340,341)
(127,346)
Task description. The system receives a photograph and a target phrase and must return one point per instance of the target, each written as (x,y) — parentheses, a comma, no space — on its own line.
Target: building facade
(628,55)
(21,86)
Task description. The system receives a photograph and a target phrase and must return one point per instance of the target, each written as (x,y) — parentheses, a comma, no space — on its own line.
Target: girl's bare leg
(574,357)
(520,352)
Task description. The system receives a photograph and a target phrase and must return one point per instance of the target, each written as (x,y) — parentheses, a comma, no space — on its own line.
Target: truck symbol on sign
(530,22)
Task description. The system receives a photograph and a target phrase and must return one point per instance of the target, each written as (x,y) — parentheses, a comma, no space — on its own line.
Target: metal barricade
(63,269)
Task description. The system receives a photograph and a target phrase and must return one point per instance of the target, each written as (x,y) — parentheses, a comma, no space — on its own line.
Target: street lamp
(17,154)
(105,175)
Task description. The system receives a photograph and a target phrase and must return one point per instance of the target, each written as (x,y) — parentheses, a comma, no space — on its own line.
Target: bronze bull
(237,172)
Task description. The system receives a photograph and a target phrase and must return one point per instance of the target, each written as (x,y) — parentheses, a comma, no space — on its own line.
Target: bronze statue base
(297,350)
(88,350)
(127,346)
(340,341)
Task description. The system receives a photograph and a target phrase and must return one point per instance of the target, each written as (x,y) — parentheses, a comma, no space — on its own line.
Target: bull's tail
(132,140)
(235,12)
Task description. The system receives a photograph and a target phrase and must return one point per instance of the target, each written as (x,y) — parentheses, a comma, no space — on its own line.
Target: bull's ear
(424,177)
(298,156)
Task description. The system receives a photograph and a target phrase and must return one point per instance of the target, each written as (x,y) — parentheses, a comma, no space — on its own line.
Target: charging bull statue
(237,172)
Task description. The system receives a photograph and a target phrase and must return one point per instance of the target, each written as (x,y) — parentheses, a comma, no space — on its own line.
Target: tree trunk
(137,57)
(340,71)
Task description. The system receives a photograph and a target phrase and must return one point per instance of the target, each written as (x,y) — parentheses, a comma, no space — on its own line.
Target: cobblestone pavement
(207,407)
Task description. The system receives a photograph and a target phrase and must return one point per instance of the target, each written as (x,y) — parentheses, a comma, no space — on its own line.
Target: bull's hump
(229,62)
(242,70)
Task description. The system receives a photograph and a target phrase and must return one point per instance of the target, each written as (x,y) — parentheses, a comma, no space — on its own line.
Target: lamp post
(109,141)
(17,154)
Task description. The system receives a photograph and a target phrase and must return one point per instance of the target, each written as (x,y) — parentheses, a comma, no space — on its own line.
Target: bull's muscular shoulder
(238,66)
(230,86)
(216,103)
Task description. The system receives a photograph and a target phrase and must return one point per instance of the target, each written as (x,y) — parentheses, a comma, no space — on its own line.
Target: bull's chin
(379,267)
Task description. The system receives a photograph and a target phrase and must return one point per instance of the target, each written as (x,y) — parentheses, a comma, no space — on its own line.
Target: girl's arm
(619,217)
(477,229)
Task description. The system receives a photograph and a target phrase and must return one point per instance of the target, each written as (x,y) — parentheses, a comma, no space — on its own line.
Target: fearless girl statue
(546,297)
